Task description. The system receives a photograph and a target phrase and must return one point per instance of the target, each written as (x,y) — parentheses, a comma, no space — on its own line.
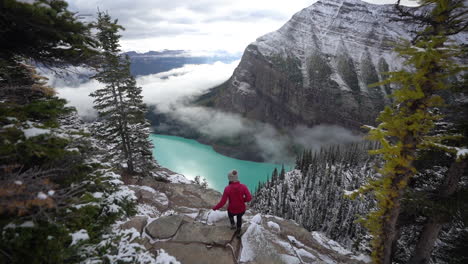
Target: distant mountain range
(151,62)
(161,61)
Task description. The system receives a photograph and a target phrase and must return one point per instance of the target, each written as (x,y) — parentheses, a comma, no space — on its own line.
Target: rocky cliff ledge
(317,67)
(176,218)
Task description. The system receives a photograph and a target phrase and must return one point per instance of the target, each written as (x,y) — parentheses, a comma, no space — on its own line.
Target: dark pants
(239,219)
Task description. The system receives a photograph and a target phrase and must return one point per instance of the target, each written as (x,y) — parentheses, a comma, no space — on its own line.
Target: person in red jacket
(238,194)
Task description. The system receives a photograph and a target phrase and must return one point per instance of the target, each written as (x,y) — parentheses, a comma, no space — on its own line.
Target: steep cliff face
(317,67)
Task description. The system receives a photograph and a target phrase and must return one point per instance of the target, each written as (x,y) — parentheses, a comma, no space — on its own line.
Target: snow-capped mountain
(317,67)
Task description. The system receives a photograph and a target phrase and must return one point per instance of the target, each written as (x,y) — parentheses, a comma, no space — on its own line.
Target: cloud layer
(195,25)
(172,91)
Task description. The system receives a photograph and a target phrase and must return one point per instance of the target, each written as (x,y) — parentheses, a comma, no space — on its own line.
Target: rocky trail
(177,218)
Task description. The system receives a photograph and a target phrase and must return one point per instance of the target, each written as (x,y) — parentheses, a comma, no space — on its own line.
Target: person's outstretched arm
(247,195)
(223,200)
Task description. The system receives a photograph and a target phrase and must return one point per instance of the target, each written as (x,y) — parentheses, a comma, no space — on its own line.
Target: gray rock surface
(201,233)
(165,227)
(195,253)
(137,222)
(317,67)
(193,234)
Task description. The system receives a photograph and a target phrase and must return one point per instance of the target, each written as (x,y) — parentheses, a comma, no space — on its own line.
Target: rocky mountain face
(317,67)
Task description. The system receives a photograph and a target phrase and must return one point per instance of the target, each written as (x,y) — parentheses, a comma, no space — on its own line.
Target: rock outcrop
(316,69)
(177,219)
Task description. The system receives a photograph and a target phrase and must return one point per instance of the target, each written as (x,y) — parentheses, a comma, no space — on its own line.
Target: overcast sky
(200,25)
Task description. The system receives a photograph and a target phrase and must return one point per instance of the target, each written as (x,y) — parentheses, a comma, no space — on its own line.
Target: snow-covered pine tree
(314,197)
(120,106)
(138,127)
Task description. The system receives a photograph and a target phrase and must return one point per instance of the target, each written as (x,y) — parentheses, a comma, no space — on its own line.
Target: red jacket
(238,195)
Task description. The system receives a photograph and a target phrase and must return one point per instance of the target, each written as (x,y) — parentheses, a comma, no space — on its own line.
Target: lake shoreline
(192,158)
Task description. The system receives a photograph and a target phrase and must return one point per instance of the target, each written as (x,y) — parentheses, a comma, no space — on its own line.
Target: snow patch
(287,259)
(257,219)
(178,178)
(295,242)
(461,153)
(78,236)
(363,258)
(147,210)
(215,216)
(274,226)
(98,195)
(164,258)
(330,244)
(34,131)
(42,196)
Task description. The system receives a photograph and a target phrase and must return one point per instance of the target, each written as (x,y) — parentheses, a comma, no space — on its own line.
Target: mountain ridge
(316,68)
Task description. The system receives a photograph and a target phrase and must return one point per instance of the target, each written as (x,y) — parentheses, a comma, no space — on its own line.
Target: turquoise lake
(191,158)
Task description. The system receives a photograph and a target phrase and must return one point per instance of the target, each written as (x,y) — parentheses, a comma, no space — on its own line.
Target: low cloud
(172,91)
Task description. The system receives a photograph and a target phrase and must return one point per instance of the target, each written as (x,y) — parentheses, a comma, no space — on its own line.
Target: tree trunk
(390,232)
(431,230)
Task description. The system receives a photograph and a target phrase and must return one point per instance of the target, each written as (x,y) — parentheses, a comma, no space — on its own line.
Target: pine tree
(120,104)
(138,127)
(405,128)
(274,176)
(44,32)
(282,173)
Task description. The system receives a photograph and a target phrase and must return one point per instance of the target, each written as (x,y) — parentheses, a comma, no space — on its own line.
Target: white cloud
(196,25)
(171,92)
(179,85)
(79,97)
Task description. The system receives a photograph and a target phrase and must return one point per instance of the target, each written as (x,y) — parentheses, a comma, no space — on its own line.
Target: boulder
(201,233)
(149,195)
(194,253)
(165,227)
(137,222)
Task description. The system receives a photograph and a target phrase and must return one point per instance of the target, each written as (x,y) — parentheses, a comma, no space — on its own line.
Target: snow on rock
(295,242)
(41,196)
(147,210)
(288,259)
(255,242)
(164,258)
(273,226)
(363,258)
(253,236)
(178,178)
(462,153)
(304,253)
(215,216)
(162,198)
(330,244)
(257,219)
(78,236)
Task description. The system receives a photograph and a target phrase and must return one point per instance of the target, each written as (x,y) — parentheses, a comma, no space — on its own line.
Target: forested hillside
(314,193)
